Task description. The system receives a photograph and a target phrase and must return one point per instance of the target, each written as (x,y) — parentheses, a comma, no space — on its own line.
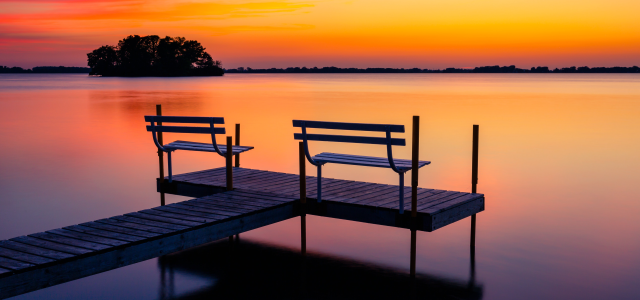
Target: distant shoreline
(325,70)
(47,69)
(487,69)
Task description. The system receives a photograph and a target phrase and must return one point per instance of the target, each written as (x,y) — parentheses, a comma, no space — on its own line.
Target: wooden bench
(400,166)
(157,126)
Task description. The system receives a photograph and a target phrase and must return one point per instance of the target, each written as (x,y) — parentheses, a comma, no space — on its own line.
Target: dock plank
(24,257)
(87,237)
(190,213)
(104,233)
(174,216)
(222,205)
(69,241)
(204,210)
(163,219)
(27,240)
(120,230)
(9,244)
(116,222)
(12,264)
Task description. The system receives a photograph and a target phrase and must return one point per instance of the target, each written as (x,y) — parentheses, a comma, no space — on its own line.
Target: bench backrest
(156,126)
(154,120)
(346,138)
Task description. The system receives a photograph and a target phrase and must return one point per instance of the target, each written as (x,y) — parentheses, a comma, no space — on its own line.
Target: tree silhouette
(153,56)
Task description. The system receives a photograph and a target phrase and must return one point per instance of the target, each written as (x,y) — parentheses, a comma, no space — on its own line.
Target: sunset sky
(356,33)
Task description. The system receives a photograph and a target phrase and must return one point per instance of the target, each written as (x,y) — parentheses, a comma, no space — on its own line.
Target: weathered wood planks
(347,199)
(261,198)
(44,259)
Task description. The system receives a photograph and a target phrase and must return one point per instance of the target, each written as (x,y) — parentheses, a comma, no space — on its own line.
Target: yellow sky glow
(373,33)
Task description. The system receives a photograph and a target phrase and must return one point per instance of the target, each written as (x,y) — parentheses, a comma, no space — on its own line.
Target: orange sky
(355,33)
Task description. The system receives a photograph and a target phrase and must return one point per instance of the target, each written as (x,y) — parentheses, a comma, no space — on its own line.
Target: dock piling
(412,269)
(303,198)
(229,155)
(303,174)
(415,148)
(160,155)
(238,144)
(474,179)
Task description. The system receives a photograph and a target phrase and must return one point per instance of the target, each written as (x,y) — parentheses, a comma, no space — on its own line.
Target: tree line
(153,56)
(46,69)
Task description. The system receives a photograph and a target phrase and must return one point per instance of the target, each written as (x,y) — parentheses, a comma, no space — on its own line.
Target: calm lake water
(559,165)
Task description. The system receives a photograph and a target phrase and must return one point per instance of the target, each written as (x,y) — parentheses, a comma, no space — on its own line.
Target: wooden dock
(260,198)
(40,260)
(341,199)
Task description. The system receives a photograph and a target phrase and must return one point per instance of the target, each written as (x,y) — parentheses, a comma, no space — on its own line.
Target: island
(136,56)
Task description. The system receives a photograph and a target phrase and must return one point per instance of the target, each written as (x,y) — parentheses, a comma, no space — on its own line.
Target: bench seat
(370,161)
(205,147)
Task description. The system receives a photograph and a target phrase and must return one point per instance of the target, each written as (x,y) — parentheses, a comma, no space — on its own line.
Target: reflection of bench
(400,166)
(156,126)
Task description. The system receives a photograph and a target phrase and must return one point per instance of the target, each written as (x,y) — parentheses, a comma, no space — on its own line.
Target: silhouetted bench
(400,166)
(190,146)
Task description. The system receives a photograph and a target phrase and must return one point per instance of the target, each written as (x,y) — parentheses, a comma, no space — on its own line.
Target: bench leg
(319,183)
(401,208)
(169,164)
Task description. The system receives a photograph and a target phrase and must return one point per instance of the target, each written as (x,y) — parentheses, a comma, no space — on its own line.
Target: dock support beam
(415,148)
(303,174)
(474,179)
(229,155)
(238,144)
(160,155)
(412,269)
(303,198)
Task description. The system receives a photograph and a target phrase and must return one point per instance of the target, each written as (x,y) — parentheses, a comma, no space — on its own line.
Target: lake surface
(559,167)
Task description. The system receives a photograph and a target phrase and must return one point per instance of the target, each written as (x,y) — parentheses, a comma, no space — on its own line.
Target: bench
(157,126)
(400,166)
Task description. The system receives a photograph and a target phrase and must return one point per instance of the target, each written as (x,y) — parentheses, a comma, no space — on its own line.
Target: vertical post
(319,185)
(415,148)
(412,271)
(303,174)
(229,166)
(160,155)
(163,287)
(401,192)
(303,233)
(238,144)
(303,198)
(474,179)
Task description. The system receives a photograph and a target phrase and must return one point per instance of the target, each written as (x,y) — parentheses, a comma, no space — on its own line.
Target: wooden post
(412,271)
(160,155)
(415,148)
(303,233)
(474,178)
(303,174)
(238,144)
(303,198)
(229,165)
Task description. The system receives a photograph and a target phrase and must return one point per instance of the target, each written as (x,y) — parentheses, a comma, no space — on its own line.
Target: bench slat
(401,163)
(185,129)
(208,145)
(350,139)
(349,126)
(180,119)
(193,146)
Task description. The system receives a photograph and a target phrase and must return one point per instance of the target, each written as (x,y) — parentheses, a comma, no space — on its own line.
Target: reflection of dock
(248,270)
(261,198)
(342,199)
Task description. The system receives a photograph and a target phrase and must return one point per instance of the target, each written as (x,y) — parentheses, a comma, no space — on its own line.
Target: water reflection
(245,269)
